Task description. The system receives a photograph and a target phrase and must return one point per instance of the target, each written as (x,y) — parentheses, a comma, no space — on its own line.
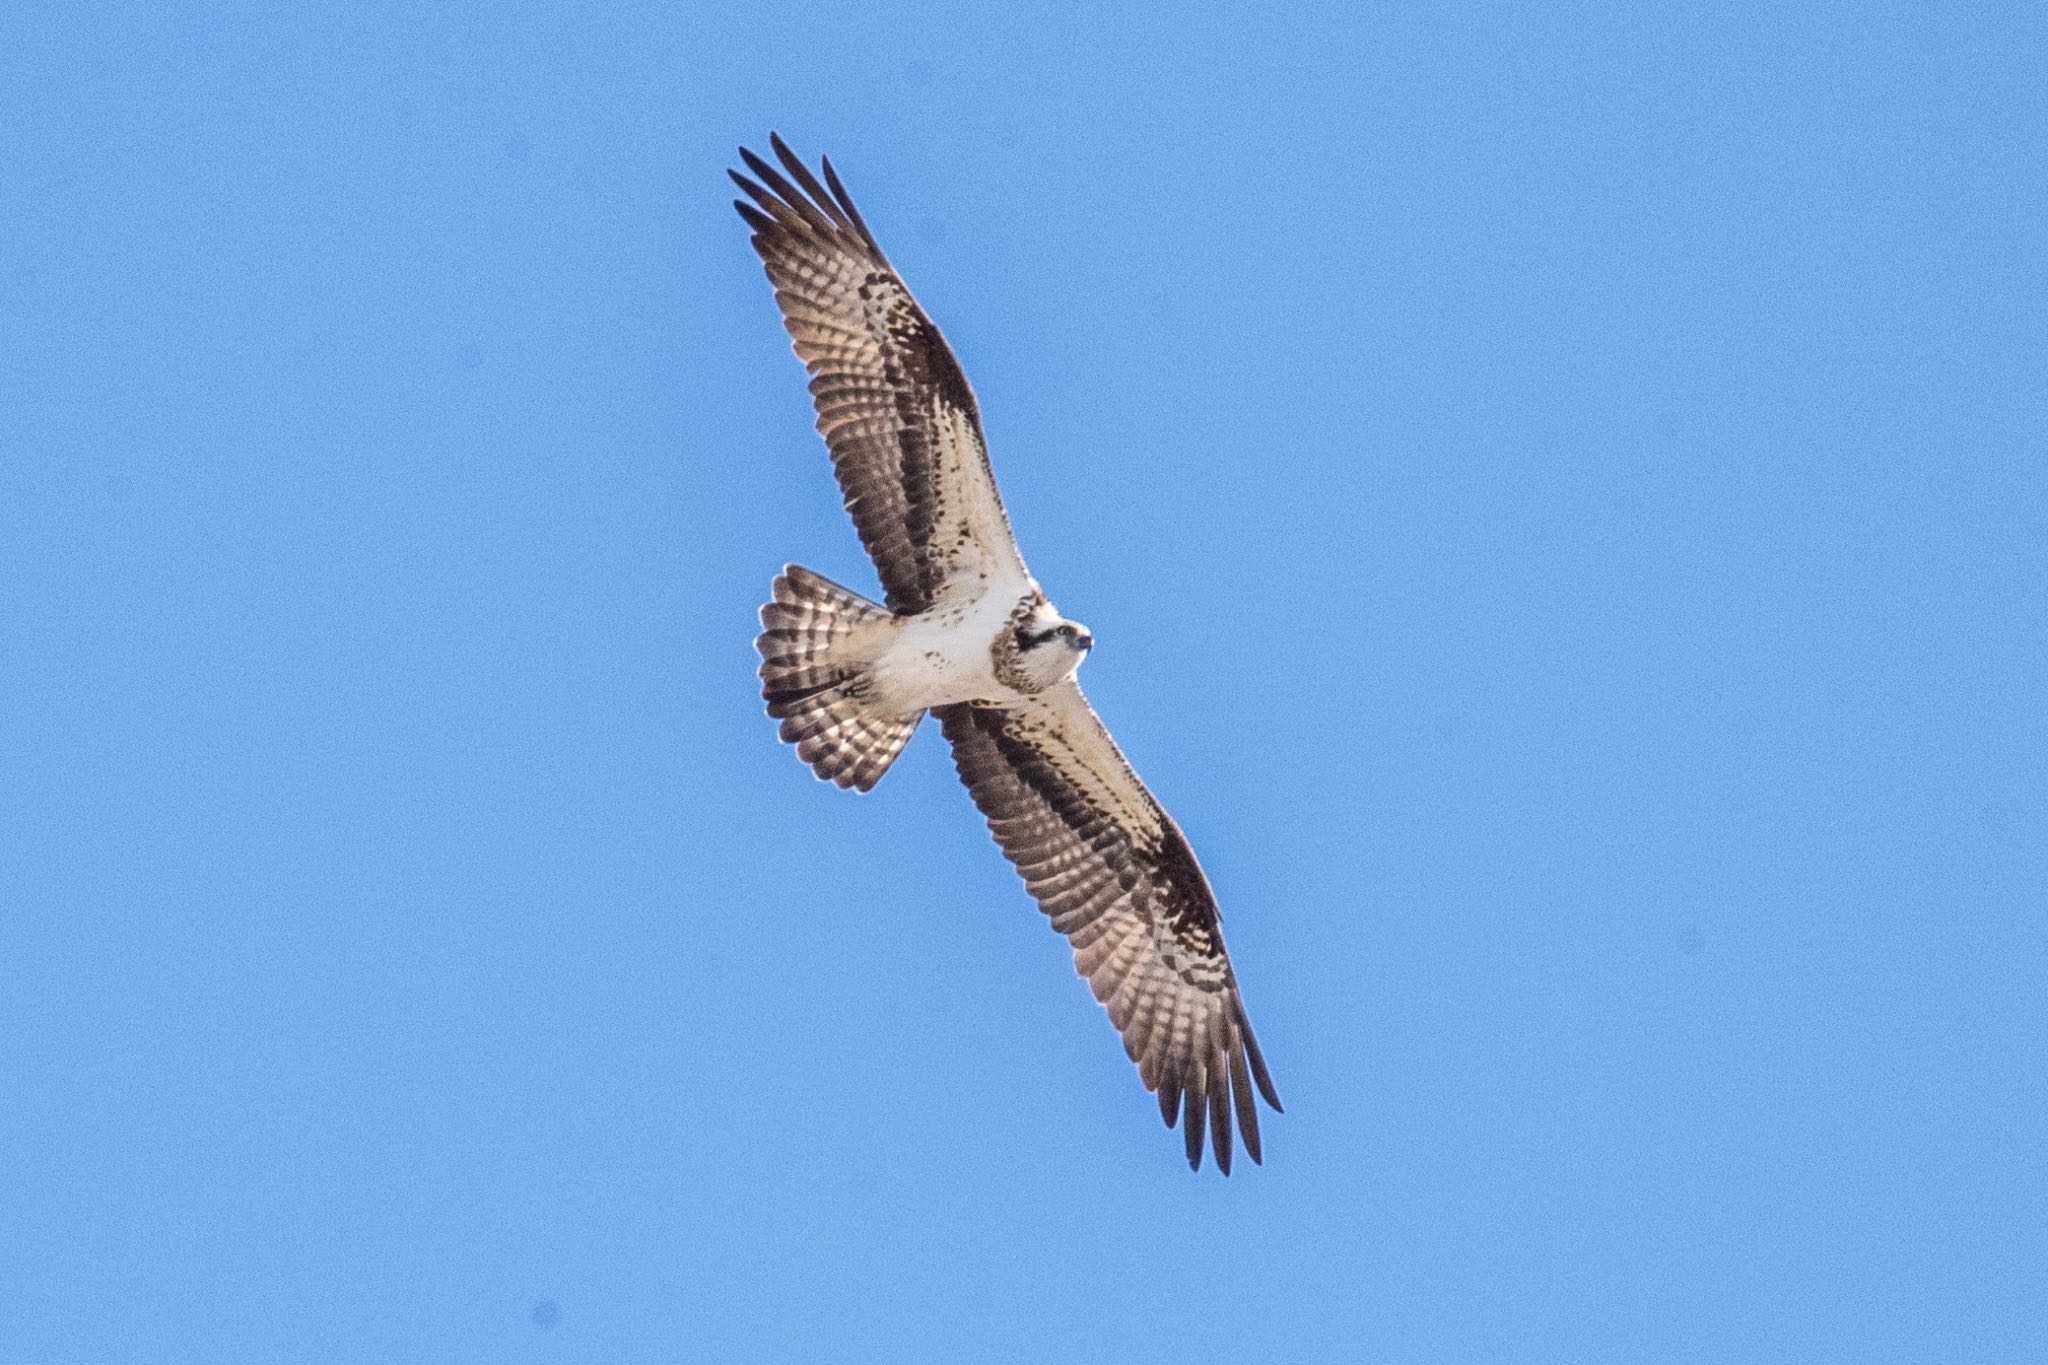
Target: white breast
(942,656)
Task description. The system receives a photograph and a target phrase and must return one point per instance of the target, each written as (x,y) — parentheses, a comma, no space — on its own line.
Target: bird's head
(1049,647)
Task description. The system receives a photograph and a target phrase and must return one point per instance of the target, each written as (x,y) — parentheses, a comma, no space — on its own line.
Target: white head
(1049,647)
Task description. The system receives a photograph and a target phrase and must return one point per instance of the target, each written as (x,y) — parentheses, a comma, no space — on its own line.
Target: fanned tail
(817,643)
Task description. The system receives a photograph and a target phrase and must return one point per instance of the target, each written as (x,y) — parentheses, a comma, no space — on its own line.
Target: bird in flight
(965,633)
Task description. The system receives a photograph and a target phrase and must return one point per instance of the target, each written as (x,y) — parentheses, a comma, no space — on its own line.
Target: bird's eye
(1067,632)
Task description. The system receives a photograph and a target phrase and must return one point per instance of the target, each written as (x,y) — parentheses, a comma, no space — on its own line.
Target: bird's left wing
(893,404)
(1115,875)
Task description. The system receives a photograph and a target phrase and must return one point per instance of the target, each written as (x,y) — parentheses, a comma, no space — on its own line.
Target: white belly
(943,656)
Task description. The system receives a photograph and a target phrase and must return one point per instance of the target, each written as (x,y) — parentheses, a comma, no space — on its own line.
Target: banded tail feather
(816,644)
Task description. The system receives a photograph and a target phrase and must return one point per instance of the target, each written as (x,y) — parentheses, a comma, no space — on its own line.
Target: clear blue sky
(1560,497)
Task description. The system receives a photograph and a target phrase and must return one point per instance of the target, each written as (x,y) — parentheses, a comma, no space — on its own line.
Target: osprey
(967,635)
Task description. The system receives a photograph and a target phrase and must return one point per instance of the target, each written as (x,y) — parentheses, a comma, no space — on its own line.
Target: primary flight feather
(967,634)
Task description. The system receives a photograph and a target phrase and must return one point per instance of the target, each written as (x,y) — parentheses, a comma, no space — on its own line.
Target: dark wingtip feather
(1251,1051)
(846,203)
(765,201)
(817,193)
(796,201)
(1195,1115)
(1247,1107)
(758,165)
(1219,1115)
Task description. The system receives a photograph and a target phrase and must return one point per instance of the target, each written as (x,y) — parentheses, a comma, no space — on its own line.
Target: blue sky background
(1559,491)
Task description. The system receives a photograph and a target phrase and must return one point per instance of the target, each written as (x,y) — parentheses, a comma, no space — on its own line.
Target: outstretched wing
(892,404)
(1116,877)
